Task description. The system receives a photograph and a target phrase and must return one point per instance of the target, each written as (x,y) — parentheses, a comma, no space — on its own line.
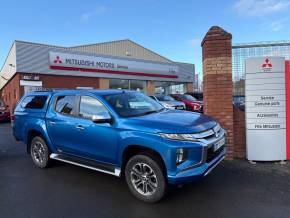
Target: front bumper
(213,152)
(198,172)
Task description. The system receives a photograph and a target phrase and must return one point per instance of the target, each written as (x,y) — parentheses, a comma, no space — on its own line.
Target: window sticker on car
(139,104)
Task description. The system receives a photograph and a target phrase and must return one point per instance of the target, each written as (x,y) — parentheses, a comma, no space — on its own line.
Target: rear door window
(34,102)
(65,104)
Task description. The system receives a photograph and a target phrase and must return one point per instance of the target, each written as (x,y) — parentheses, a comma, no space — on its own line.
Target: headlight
(181,137)
(181,155)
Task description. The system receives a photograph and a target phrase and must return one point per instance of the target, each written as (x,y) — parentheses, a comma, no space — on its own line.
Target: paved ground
(234,189)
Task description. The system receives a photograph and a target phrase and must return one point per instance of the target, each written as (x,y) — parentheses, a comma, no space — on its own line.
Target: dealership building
(121,64)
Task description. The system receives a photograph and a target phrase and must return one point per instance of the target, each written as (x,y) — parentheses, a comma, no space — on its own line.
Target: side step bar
(87,164)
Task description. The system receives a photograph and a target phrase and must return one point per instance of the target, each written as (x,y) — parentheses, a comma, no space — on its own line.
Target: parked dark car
(191,103)
(4,112)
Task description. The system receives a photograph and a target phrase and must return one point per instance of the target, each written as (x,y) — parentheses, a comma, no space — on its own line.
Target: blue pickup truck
(122,133)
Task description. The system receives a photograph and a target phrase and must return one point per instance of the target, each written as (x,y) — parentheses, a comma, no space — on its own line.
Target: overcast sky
(173,29)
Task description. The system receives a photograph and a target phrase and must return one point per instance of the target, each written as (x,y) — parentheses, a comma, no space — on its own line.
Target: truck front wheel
(39,152)
(145,178)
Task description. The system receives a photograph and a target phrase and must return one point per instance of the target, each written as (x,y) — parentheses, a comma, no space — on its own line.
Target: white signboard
(30,83)
(265,108)
(68,61)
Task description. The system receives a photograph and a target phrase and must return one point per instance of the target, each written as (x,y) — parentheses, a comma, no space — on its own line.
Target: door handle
(52,122)
(80,127)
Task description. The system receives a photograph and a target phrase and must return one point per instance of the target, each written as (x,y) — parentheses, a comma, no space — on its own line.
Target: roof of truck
(79,91)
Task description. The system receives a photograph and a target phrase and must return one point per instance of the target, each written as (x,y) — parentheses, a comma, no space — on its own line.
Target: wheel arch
(30,135)
(132,150)
(33,132)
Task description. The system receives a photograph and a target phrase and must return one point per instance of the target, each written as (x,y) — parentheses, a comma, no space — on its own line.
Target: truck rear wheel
(39,152)
(145,178)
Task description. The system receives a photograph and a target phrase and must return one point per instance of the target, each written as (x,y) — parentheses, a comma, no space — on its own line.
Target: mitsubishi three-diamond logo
(267,66)
(57,60)
(216,134)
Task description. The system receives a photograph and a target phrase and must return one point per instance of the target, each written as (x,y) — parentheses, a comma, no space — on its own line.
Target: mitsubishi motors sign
(98,64)
(266,108)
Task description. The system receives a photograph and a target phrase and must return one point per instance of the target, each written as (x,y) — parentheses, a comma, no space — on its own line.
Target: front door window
(89,107)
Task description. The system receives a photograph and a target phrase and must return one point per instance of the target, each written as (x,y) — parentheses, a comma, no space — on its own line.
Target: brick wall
(69,82)
(217,78)
(239,133)
(12,92)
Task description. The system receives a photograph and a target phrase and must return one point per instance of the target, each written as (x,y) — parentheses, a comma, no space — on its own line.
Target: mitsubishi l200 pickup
(122,133)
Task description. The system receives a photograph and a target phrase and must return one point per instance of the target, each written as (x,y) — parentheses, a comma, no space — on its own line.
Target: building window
(137,85)
(14,93)
(169,88)
(118,84)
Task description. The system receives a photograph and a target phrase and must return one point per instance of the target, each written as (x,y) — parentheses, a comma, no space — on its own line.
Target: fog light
(180,155)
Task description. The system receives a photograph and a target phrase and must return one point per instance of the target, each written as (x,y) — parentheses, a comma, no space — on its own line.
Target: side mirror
(102,117)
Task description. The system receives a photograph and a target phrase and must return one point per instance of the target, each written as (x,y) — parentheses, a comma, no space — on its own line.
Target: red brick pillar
(217,80)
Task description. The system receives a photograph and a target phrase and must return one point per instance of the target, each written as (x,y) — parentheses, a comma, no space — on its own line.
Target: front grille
(209,137)
(209,134)
(211,154)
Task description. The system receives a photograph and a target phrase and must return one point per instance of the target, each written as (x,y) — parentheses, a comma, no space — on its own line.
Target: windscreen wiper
(148,112)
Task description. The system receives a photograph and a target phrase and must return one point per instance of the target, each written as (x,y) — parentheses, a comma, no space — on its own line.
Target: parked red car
(191,103)
(4,112)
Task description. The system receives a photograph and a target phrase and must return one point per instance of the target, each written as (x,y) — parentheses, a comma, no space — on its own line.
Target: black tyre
(146,178)
(39,152)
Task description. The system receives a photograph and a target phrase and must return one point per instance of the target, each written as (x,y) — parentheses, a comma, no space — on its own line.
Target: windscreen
(164,98)
(132,104)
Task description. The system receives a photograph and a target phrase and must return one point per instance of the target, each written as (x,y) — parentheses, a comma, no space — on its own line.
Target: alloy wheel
(38,151)
(144,179)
